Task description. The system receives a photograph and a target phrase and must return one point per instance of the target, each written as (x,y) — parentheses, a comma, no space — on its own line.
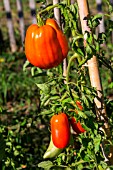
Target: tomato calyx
(40,21)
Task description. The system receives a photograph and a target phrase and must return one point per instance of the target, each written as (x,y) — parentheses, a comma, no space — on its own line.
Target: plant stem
(68,2)
(81,162)
(48,9)
(39,19)
(69,65)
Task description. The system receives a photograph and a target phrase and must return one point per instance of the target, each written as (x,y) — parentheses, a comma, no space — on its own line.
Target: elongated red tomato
(77,127)
(60,130)
(78,103)
(45,46)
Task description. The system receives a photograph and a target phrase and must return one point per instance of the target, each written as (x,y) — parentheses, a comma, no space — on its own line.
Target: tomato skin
(45,46)
(61,37)
(60,130)
(78,103)
(77,127)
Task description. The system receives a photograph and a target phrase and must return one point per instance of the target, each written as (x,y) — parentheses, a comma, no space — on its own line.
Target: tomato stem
(77,37)
(69,66)
(48,8)
(39,20)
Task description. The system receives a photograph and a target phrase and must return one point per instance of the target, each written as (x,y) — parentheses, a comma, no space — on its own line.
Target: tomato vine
(85,149)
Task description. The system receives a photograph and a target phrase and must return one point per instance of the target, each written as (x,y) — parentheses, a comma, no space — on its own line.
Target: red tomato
(77,127)
(45,46)
(60,130)
(78,103)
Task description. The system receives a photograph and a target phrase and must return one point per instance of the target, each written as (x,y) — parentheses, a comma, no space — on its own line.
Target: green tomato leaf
(45,164)
(97,17)
(26,64)
(44,112)
(97,141)
(82,62)
(55,97)
(44,99)
(67,100)
(23,123)
(44,87)
(100,167)
(82,114)
(60,168)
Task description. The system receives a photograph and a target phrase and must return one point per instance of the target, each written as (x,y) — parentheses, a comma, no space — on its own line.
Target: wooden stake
(10,26)
(33,11)
(57,16)
(111,2)
(21,19)
(94,75)
(1,41)
(57,12)
(101,26)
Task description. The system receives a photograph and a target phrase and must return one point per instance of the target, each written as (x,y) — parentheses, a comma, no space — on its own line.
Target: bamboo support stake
(95,76)
(21,19)
(112,31)
(111,2)
(10,26)
(33,11)
(1,41)
(57,16)
(57,12)
(72,1)
(101,26)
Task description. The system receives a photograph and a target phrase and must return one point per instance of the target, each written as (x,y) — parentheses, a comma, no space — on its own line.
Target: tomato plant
(60,130)
(45,46)
(73,94)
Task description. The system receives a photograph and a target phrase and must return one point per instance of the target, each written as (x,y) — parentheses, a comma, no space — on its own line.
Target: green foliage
(14,84)
(23,139)
(21,129)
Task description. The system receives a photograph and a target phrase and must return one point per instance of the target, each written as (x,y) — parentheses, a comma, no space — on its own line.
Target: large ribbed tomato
(60,130)
(45,46)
